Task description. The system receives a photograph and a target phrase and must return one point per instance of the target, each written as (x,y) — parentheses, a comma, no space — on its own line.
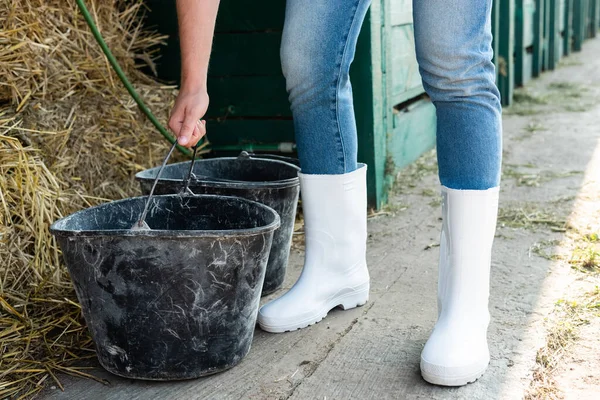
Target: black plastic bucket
(178,301)
(268,181)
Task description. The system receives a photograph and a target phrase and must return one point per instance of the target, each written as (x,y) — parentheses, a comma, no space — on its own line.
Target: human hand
(185,120)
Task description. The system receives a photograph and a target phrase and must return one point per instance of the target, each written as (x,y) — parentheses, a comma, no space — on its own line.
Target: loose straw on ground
(70,137)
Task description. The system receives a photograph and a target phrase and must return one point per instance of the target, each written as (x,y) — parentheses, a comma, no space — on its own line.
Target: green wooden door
(396,122)
(412,116)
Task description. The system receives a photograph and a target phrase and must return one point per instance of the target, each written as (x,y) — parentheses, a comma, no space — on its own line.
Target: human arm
(196,29)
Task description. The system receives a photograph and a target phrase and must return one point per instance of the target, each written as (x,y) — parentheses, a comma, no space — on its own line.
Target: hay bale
(70,137)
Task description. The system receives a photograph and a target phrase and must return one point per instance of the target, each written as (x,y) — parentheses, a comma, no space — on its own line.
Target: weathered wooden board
(593,18)
(541,37)
(368,85)
(506,63)
(401,12)
(414,133)
(568,30)
(525,13)
(405,77)
(580,12)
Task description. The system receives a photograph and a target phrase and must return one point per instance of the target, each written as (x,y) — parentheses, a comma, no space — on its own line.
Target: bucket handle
(249,155)
(244,154)
(186,183)
(141,223)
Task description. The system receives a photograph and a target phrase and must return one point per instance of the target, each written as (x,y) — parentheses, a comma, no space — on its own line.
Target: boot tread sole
(452,381)
(338,303)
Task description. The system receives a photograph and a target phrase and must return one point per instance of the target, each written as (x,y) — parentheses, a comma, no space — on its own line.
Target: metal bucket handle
(249,155)
(186,183)
(185,190)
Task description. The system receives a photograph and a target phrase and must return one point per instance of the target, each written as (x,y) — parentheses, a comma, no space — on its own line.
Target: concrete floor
(373,352)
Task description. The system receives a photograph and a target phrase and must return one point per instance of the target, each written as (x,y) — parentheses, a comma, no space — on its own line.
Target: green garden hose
(117,68)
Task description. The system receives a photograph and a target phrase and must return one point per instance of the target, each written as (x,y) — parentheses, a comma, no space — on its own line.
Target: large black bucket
(268,181)
(178,301)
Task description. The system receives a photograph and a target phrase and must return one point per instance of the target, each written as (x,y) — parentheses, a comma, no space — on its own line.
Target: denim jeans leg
(318,45)
(454,50)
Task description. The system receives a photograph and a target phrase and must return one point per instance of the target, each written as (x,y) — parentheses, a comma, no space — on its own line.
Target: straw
(70,137)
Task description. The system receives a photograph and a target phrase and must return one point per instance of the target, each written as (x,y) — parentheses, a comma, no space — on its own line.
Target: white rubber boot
(457,351)
(335,268)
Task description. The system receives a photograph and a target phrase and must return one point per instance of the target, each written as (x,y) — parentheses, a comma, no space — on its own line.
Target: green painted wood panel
(562,33)
(568,29)
(234,16)
(401,12)
(529,11)
(561,15)
(249,15)
(413,133)
(548,4)
(593,18)
(248,96)
(588,18)
(597,17)
(367,79)
(506,65)
(405,77)
(236,54)
(540,40)
(392,78)
(525,11)
(580,11)
(496,35)
(555,35)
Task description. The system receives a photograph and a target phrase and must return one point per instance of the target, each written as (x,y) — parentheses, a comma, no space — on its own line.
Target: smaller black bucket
(178,301)
(269,181)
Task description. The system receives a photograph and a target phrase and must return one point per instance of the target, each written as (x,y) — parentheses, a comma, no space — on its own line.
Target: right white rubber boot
(457,351)
(335,268)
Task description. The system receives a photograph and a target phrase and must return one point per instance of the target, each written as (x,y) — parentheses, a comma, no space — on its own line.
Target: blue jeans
(453,44)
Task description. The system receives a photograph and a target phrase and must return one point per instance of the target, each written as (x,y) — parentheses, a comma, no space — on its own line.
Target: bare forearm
(196,28)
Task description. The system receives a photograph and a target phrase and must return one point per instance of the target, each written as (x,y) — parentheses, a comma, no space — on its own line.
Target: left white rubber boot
(457,351)
(335,268)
